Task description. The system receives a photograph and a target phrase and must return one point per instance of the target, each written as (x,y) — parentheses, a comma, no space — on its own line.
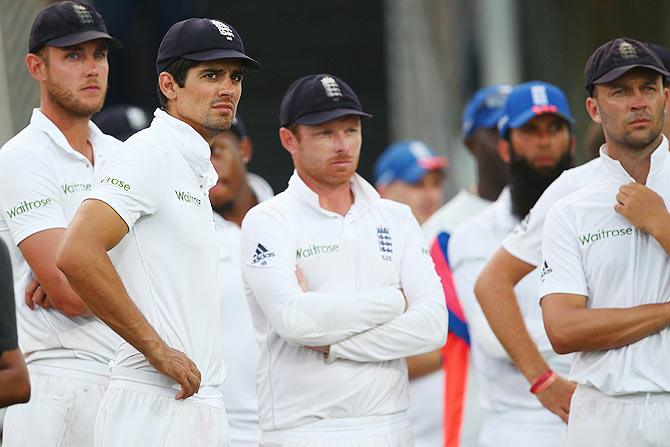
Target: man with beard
(606,270)
(46,171)
(151,211)
(340,285)
(234,194)
(537,145)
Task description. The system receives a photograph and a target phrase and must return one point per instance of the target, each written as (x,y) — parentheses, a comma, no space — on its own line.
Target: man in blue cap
(537,144)
(460,424)
(157,287)
(340,286)
(410,172)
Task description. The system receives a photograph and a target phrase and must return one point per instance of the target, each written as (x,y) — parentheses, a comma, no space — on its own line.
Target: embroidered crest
(385,243)
(83,13)
(331,88)
(223,29)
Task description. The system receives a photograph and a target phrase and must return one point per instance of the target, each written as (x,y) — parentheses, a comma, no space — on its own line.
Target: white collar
(190,144)
(364,194)
(44,124)
(659,159)
(502,210)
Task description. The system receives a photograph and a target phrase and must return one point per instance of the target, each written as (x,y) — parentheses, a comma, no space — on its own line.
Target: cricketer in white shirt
(515,416)
(44,180)
(360,270)
(591,250)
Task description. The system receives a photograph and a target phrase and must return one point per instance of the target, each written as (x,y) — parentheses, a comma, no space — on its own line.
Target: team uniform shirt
(503,388)
(43,183)
(591,250)
(525,242)
(427,413)
(354,267)
(240,350)
(157,182)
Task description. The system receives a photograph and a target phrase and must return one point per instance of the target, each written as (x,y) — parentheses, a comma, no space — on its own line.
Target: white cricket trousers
(634,420)
(64,400)
(523,428)
(140,409)
(370,431)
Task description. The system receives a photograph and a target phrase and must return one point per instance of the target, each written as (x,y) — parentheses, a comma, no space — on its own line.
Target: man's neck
(636,162)
(243,202)
(335,198)
(489,186)
(74,128)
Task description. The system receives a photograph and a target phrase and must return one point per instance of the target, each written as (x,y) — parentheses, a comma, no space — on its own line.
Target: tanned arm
(646,210)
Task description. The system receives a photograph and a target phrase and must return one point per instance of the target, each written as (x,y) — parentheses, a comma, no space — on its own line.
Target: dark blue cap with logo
(68,23)
(616,57)
(202,40)
(530,100)
(317,98)
(407,161)
(484,109)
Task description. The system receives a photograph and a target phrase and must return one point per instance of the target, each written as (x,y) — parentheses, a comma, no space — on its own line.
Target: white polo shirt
(426,412)
(591,250)
(503,388)
(354,267)
(240,350)
(43,183)
(525,242)
(158,181)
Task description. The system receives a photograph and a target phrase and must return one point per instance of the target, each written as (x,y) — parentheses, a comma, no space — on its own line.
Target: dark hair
(178,68)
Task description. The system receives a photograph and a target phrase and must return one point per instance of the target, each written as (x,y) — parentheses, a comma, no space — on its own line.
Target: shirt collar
(502,210)
(364,194)
(190,144)
(659,159)
(95,135)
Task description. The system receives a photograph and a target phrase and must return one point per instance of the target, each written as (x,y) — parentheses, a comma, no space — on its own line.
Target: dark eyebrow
(211,70)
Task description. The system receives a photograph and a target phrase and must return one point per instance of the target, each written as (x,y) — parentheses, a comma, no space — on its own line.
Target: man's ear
(504,150)
(288,139)
(246,150)
(593,109)
(37,67)
(168,85)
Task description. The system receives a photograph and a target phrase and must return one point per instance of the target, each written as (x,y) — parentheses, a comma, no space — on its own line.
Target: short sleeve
(132,181)
(562,268)
(30,197)
(8,337)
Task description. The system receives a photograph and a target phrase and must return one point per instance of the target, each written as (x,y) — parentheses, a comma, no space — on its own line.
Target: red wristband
(543,382)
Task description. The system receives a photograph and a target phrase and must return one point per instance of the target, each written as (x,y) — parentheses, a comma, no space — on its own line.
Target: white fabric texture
(158,181)
(354,267)
(43,183)
(591,250)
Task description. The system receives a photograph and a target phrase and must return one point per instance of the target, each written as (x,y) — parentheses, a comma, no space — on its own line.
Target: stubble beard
(68,103)
(639,141)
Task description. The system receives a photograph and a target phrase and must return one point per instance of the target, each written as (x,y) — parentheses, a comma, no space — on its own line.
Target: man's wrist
(660,225)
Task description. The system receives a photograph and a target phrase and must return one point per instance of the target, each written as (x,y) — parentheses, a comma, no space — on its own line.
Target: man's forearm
(92,275)
(661,233)
(14,382)
(578,329)
(495,292)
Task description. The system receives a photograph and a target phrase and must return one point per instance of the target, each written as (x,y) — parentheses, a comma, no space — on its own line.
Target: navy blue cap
(485,108)
(663,54)
(238,128)
(202,40)
(317,98)
(407,161)
(68,23)
(530,100)
(616,57)
(121,121)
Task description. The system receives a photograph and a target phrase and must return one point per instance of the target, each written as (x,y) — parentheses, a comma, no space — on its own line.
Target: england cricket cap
(407,161)
(663,54)
(530,100)
(64,24)
(202,40)
(121,121)
(616,57)
(238,128)
(317,98)
(485,108)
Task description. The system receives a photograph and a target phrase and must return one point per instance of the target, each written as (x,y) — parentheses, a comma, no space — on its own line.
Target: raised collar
(95,136)
(502,211)
(659,159)
(189,143)
(364,194)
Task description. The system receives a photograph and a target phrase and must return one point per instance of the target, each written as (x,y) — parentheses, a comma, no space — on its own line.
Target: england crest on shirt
(385,243)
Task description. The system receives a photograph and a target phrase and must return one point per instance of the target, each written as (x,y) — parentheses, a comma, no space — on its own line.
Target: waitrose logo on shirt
(187,197)
(71,188)
(27,205)
(314,250)
(599,235)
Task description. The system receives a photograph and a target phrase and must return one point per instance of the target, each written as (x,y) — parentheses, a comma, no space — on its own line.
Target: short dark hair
(178,68)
